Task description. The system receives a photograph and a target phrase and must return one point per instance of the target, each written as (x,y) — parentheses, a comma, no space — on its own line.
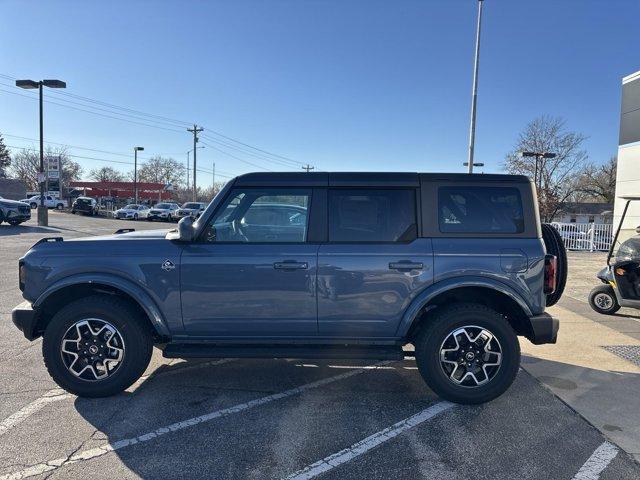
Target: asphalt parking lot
(275,419)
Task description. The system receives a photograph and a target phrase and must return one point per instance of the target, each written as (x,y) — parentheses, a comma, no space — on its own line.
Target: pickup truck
(447,269)
(49,202)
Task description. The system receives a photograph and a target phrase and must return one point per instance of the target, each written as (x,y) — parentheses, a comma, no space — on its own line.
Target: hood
(12,203)
(140,235)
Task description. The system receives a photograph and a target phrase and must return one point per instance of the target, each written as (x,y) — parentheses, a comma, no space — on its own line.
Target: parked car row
(167,211)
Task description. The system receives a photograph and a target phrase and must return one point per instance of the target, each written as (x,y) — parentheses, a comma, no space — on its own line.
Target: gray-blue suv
(308,265)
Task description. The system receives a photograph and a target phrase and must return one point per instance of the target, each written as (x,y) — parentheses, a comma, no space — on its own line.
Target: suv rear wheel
(96,346)
(467,353)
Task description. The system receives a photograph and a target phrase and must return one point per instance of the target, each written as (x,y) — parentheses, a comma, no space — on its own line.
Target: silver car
(192,209)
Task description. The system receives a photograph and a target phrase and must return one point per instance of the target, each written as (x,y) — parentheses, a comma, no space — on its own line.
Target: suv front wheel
(467,353)
(96,346)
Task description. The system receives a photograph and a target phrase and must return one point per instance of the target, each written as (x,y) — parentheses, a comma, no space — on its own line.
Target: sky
(341,85)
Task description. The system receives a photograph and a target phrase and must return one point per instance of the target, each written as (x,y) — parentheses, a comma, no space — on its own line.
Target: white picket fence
(592,237)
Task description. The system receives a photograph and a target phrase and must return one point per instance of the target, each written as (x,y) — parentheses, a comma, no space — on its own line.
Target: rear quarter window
(469,209)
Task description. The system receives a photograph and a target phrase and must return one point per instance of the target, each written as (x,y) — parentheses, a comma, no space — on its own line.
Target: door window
(366,215)
(261,216)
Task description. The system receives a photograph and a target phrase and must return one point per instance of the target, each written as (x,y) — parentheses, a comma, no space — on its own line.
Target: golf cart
(621,277)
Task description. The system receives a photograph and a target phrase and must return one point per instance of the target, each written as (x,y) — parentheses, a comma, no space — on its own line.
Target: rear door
(373,264)
(253,272)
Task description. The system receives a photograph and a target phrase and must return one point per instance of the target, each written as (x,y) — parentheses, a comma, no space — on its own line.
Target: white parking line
(372,441)
(89,454)
(58,394)
(25,412)
(597,462)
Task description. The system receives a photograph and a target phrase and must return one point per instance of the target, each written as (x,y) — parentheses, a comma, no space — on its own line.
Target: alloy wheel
(470,356)
(92,349)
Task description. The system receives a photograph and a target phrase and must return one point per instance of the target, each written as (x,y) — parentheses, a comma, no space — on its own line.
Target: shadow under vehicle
(621,277)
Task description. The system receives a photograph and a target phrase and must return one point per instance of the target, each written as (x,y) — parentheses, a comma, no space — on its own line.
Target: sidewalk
(601,386)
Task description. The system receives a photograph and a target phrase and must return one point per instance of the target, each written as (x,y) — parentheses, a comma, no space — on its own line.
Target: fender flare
(443,286)
(140,296)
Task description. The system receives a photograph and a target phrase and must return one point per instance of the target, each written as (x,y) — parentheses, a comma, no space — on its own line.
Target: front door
(373,265)
(252,273)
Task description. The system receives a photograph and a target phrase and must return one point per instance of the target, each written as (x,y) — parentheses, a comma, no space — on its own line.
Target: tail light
(550,273)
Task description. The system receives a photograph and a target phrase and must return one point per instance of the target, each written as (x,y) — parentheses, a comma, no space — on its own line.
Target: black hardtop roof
(378,179)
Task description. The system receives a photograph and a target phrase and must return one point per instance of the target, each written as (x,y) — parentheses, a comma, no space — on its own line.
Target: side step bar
(199,350)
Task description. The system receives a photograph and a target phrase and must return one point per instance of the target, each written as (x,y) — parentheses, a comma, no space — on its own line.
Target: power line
(155,121)
(253,154)
(93,113)
(237,158)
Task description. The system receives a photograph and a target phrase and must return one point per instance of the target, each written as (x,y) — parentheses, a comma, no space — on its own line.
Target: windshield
(130,207)
(629,249)
(164,206)
(191,205)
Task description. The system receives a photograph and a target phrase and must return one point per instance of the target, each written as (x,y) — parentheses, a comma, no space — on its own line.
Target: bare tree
(106,174)
(5,158)
(598,182)
(26,165)
(161,170)
(558,178)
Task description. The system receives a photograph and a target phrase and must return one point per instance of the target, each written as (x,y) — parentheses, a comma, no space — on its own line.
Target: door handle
(290,265)
(406,266)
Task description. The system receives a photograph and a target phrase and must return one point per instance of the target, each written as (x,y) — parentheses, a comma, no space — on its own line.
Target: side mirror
(185,229)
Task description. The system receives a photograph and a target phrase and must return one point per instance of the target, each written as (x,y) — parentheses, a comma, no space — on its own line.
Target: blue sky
(343,85)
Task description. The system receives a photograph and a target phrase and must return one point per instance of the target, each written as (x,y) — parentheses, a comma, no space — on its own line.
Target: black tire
(169,218)
(34,205)
(59,206)
(603,300)
(14,223)
(135,216)
(555,246)
(137,338)
(437,329)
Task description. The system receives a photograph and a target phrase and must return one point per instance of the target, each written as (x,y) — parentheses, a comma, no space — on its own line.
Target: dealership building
(628,176)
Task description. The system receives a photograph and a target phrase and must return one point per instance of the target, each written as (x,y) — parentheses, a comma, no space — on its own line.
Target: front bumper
(26,319)
(544,329)
(18,216)
(160,216)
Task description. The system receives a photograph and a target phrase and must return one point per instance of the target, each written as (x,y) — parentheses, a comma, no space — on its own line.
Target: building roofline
(631,77)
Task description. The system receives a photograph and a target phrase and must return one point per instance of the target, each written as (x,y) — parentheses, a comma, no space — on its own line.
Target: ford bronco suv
(308,265)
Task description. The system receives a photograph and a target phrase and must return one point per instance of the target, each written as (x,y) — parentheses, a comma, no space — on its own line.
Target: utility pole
(188,153)
(308,167)
(213,181)
(195,130)
(474,92)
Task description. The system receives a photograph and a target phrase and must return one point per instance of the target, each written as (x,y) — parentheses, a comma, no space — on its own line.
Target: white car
(132,212)
(192,209)
(163,211)
(49,201)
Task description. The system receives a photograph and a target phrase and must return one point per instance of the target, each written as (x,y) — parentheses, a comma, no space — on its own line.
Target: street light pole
(135,172)
(537,171)
(43,213)
(474,92)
